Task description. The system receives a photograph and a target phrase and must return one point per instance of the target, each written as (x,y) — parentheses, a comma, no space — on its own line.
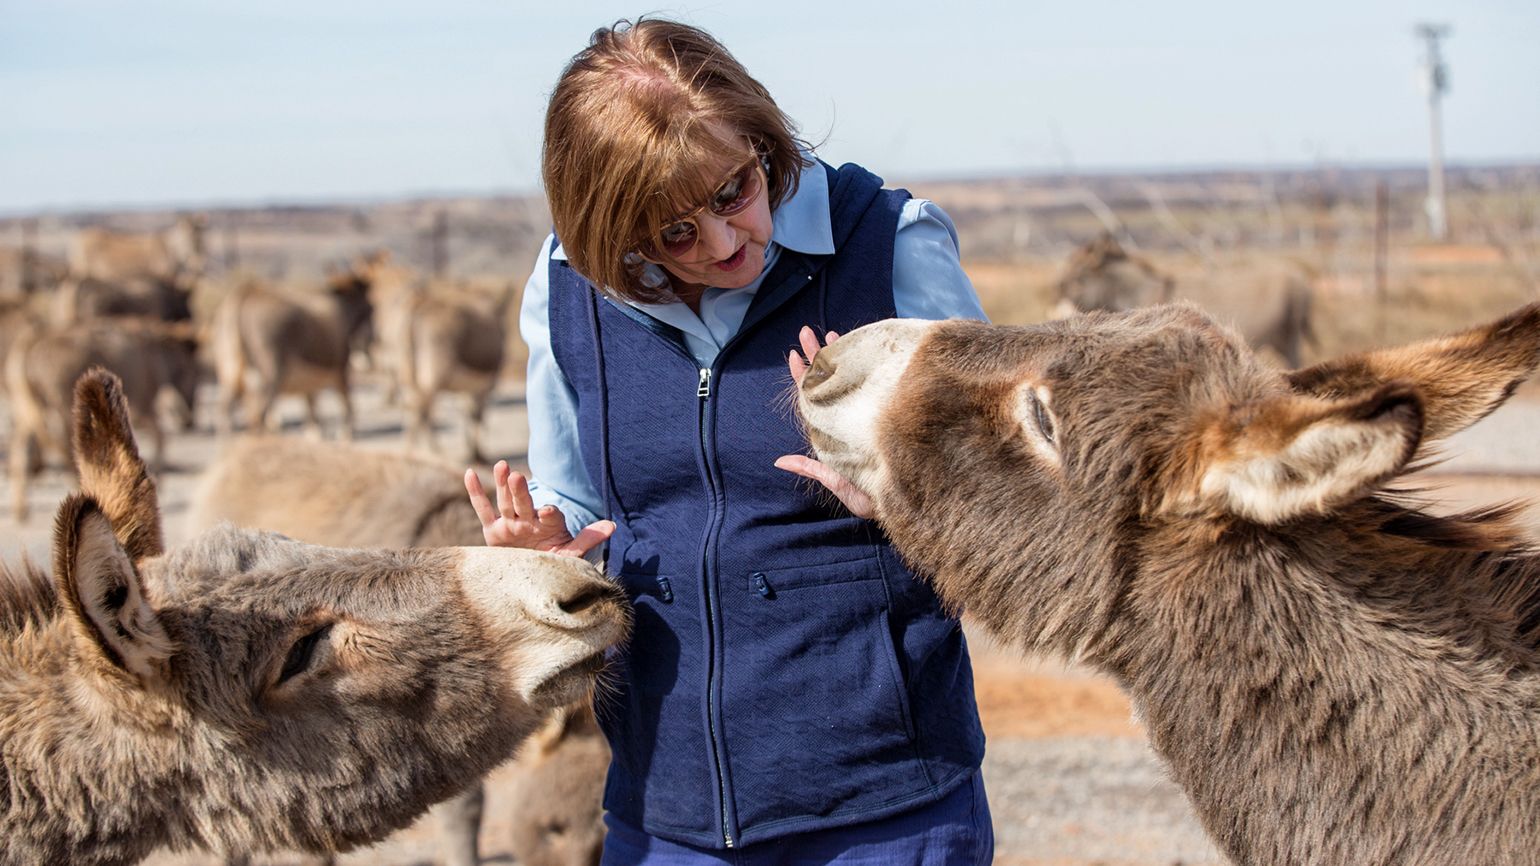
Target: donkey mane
(1485,546)
(1490,529)
(26,598)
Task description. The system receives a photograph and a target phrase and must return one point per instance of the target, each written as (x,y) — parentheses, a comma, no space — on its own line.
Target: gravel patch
(1085,800)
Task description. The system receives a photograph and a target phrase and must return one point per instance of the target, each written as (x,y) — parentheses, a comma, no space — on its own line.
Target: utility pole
(1436,83)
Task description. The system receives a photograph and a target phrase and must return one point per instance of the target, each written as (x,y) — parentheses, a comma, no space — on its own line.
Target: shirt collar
(801,223)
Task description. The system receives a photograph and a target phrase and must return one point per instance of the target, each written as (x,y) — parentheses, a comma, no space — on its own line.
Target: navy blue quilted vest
(787,673)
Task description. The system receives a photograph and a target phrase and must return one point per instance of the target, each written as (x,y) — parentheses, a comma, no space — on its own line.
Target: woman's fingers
(797,366)
(479,501)
(798,363)
(809,342)
(591,536)
(851,496)
(504,495)
(515,522)
(523,505)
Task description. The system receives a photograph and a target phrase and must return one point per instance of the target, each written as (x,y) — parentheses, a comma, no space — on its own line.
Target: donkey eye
(1043,419)
(301,653)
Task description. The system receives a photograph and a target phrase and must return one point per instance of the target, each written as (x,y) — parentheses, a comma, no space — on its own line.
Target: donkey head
(295,696)
(1013,463)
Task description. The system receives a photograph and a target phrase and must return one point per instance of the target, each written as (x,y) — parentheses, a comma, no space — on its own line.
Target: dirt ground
(1070,777)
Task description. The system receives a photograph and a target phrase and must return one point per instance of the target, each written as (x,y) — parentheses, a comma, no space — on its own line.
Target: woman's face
(729,251)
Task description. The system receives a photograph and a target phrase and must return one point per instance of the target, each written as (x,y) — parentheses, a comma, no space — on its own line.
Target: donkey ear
(1462,377)
(111,471)
(1293,456)
(101,590)
(549,738)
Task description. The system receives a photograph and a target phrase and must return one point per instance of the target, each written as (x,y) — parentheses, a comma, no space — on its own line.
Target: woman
(791,693)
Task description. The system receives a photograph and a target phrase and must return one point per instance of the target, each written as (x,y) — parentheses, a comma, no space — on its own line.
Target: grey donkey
(340,494)
(248,692)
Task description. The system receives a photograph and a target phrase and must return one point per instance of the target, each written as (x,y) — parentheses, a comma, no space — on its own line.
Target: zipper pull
(704,389)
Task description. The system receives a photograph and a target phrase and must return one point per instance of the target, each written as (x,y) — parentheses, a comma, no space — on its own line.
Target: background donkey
(44,362)
(289,343)
(1273,312)
(249,692)
(1333,674)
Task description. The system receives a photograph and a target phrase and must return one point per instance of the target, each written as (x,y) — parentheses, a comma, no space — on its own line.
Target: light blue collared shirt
(928,283)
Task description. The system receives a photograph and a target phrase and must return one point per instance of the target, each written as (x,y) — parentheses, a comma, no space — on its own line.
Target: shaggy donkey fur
(246,692)
(1333,675)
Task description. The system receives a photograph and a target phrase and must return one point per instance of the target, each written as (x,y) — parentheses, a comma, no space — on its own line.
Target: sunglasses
(733,197)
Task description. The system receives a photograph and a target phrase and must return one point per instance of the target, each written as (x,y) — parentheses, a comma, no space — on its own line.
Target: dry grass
(1429,289)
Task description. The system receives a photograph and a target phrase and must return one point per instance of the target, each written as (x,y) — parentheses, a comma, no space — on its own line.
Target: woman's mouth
(733,262)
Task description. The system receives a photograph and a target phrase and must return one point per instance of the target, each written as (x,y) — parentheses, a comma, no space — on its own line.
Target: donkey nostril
(821,371)
(585,598)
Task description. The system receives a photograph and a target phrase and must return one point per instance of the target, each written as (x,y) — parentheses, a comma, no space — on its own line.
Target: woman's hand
(517,523)
(847,493)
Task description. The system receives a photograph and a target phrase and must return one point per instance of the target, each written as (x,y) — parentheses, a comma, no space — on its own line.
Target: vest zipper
(703,391)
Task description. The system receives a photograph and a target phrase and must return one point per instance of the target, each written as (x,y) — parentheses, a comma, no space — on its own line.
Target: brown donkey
(44,362)
(290,344)
(1334,675)
(249,692)
(1275,313)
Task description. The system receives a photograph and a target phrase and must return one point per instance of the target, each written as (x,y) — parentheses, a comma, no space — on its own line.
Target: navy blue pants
(954,831)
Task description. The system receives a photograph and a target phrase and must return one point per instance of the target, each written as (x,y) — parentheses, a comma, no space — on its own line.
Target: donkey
(1100,275)
(25,271)
(558,792)
(80,299)
(1333,674)
(250,692)
(176,254)
(1274,314)
(291,344)
(442,339)
(41,367)
(311,491)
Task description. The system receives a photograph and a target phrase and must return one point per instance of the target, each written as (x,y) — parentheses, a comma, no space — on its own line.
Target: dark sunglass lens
(678,238)
(737,193)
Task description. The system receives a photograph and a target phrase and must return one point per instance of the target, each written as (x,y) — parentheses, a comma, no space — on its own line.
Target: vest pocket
(817,714)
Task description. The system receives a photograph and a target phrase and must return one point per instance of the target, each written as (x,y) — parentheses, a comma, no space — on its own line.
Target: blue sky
(168,102)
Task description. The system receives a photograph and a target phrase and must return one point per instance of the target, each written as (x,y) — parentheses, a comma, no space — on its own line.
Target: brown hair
(632,120)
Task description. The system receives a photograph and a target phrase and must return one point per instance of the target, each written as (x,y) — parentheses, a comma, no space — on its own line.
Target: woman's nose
(718,239)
